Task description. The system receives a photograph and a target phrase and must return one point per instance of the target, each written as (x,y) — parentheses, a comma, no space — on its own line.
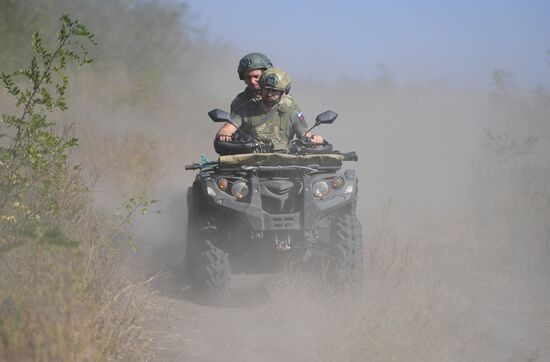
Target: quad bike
(257,208)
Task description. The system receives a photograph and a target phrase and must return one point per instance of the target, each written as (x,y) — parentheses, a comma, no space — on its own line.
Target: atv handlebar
(302,146)
(305,146)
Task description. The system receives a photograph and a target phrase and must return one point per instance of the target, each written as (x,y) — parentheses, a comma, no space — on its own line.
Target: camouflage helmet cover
(253,61)
(275,78)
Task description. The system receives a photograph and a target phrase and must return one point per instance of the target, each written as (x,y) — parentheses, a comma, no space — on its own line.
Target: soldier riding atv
(267,201)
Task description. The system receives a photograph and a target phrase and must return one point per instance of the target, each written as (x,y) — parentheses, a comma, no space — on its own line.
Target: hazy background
(457,42)
(446,103)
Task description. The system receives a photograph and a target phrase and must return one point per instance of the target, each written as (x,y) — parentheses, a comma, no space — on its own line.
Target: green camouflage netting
(280,159)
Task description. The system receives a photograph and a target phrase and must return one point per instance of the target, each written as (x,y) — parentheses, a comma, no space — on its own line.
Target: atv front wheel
(210,270)
(207,265)
(347,248)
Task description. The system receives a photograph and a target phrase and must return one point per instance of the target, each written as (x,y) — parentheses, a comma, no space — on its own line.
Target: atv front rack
(278,161)
(284,159)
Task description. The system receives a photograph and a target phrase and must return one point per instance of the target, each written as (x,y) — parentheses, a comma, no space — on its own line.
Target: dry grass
(397,314)
(128,163)
(73,300)
(423,296)
(471,286)
(64,303)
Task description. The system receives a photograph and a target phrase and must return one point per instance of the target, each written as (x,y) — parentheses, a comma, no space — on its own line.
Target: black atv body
(255,212)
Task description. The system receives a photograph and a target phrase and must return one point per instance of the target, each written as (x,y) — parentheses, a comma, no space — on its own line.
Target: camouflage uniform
(246,96)
(279,126)
(243,98)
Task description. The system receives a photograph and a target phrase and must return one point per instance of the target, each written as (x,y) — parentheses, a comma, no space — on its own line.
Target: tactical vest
(274,126)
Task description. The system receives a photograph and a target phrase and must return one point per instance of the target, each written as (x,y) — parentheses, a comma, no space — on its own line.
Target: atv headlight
(320,188)
(336,183)
(239,189)
(222,184)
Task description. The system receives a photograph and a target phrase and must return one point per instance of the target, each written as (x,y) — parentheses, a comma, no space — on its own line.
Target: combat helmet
(253,61)
(275,78)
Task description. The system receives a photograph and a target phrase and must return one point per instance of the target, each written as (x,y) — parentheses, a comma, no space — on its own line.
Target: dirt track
(482,310)
(244,329)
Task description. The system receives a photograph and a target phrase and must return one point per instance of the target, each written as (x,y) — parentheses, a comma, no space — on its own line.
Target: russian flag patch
(301,117)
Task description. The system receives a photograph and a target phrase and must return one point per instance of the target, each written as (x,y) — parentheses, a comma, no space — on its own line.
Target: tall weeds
(61,294)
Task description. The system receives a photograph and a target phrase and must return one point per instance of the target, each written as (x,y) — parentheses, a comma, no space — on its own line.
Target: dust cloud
(456,235)
(454,202)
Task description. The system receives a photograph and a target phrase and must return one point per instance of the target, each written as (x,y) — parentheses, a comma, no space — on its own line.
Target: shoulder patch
(301,119)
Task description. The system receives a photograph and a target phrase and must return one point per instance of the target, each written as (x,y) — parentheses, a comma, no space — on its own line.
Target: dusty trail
(244,329)
(503,318)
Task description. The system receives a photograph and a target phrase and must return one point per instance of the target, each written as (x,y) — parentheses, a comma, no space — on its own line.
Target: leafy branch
(53,63)
(34,171)
(133,206)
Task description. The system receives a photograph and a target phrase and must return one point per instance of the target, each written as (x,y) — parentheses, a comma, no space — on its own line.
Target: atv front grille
(279,196)
(282,221)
